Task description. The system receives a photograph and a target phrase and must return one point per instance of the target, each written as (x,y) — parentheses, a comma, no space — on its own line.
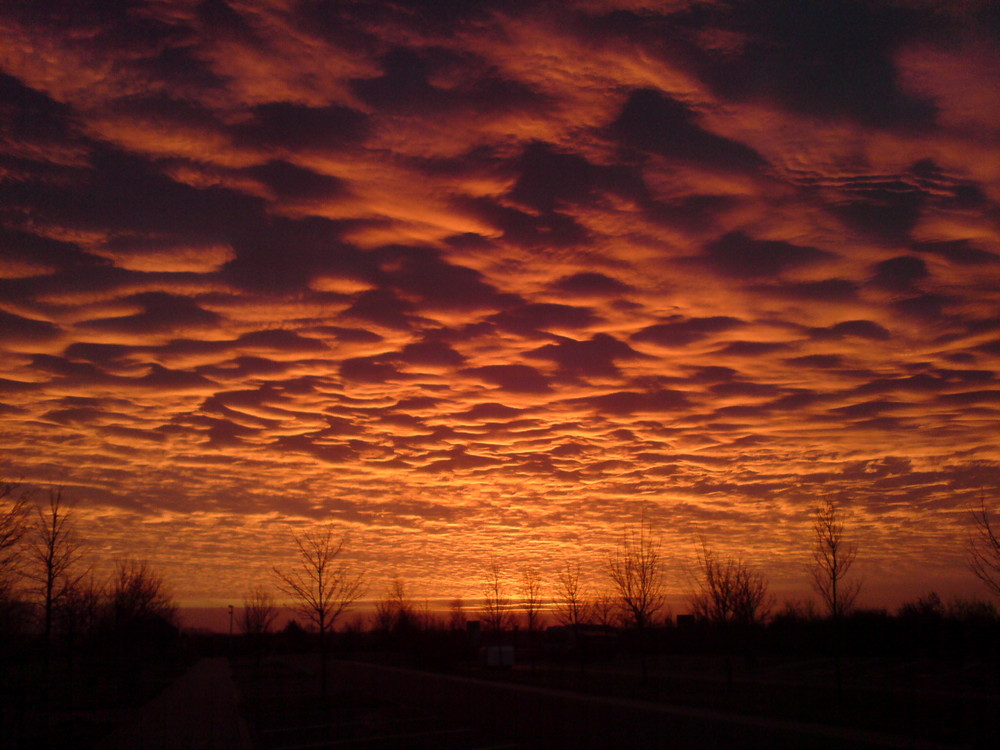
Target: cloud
(653,122)
(588,283)
(460,275)
(739,256)
(680,332)
(513,378)
(594,357)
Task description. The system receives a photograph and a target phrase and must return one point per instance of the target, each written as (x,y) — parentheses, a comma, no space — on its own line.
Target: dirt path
(197,712)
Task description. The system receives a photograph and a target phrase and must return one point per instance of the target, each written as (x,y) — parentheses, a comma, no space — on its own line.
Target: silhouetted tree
(259,612)
(833,557)
(984,548)
(323,585)
(78,614)
(728,592)
(395,613)
(496,600)
(636,572)
(14,519)
(637,575)
(530,589)
(604,610)
(53,556)
(257,618)
(138,602)
(457,619)
(571,608)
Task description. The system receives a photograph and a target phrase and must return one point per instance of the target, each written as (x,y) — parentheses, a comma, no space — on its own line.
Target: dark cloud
(514,378)
(458,459)
(161,312)
(745,389)
(588,283)
(336,454)
(739,256)
(696,213)
(422,272)
(289,181)
(681,332)
(888,215)
(406,86)
(631,402)
(284,255)
(594,357)
(14,328)
(294,126)
(651,121)
(925,306)
(44,251)
(244,368)
(526,229)
(121,192)
(828,290)
(347,335)
(528,320)
(818,361)
(29,115)
(867,409)
(862,329)
(382,307)
(959,252)
(489,410)
(432,353)
(279,339)
(368,370)
(899,274)
(753,348)
(548,179)
(823,58)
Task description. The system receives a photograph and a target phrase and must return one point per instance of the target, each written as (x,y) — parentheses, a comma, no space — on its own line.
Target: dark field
(688,702)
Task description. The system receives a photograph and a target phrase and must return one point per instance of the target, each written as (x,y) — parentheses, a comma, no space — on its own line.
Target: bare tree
(78,614)
(138,599)
(395,612)
(14,519)
(984,548)
(531,598)
(53,556)
(496,600)
(833,556)
(259,612)
(571,608)
(728,591)
(636,573)
(604,610)
(456,614)
(257,619)
(323,585)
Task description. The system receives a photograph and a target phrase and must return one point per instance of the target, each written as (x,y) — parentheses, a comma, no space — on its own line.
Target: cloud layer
(498,277)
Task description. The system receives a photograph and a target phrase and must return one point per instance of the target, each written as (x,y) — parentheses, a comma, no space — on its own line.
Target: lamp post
(230,629)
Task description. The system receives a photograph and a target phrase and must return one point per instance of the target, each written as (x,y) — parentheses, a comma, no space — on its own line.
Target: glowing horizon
(476,281)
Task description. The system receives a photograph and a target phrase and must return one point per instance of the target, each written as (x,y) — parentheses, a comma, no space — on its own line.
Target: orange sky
(491,279)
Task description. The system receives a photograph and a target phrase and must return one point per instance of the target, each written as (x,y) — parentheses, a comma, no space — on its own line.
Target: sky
(501,278)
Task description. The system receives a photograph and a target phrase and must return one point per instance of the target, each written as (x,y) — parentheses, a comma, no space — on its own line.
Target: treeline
(623,606)
(50,595)
(76,649)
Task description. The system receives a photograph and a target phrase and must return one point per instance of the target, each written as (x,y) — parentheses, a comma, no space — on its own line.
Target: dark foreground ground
(687,702)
